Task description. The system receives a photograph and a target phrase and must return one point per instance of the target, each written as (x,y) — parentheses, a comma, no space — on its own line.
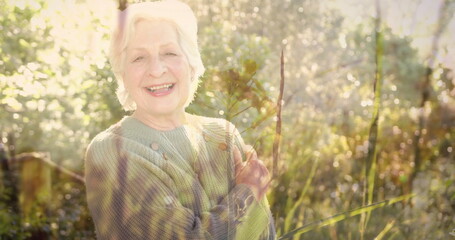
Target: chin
(165,110)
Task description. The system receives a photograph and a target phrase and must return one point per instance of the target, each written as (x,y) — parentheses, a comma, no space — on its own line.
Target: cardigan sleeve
(131,198)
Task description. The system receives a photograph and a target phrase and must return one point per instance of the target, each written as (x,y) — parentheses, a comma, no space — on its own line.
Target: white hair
(182,18)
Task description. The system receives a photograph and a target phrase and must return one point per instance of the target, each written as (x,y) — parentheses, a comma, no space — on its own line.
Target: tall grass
(371,158)
(290,217)
(342,216)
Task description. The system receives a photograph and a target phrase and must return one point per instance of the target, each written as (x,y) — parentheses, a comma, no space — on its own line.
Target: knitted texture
(147,184)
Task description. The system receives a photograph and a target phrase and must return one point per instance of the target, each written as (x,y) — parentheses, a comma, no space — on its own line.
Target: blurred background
(361,141)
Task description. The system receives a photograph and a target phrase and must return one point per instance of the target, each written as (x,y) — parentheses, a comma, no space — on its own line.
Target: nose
(156,67)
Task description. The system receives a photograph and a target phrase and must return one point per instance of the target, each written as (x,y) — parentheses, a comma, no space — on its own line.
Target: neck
(161,122)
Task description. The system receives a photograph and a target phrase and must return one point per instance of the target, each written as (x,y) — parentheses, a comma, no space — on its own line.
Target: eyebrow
(144,47)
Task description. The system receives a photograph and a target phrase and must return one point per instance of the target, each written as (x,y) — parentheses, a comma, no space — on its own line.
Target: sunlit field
(350,103)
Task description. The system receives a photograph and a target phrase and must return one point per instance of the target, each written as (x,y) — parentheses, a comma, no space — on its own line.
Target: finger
(264,182)
(248,148)
(264,170)
(257,169)
(263,191)
(237,159)
(265,176)
(260,170)
(250,153)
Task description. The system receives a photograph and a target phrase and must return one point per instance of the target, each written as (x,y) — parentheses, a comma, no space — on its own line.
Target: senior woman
(162,173)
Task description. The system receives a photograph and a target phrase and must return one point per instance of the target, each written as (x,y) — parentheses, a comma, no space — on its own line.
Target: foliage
(57,92)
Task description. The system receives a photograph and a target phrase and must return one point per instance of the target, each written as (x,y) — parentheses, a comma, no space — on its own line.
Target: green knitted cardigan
(143,183)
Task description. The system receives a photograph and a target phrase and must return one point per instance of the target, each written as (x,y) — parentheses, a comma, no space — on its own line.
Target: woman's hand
(252,172)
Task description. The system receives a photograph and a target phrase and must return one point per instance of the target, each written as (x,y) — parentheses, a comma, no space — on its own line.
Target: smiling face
(156,71)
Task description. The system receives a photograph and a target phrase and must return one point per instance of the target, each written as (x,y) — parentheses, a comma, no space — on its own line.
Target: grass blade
(290,215)
(341,216)
(370,166)
(385,230)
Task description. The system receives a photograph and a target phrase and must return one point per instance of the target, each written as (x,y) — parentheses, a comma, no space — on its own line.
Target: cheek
(182,71)
(132,75)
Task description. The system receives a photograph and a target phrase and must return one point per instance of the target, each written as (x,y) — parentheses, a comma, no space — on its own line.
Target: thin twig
(241,111)
(257,123)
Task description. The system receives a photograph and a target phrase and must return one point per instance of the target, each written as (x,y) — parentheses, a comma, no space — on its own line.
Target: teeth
(160,87)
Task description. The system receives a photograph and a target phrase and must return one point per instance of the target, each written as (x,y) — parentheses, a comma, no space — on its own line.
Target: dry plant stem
(276,142)
(45,158)
(122,4)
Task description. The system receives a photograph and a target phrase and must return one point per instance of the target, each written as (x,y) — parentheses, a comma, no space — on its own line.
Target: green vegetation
(368,112)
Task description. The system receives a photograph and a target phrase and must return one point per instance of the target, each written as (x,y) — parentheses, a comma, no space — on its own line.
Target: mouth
(160,88)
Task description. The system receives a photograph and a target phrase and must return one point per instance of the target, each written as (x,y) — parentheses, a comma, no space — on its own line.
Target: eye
(139,58)
(170,54)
